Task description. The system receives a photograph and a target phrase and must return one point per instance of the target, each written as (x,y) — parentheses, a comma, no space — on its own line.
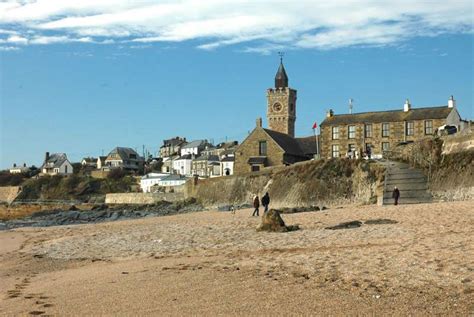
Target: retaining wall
(9,193)
(142,198)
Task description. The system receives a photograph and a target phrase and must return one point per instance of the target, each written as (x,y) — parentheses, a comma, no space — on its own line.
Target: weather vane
(281,54)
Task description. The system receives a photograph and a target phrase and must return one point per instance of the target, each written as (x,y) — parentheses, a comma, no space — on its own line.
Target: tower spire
(281,78)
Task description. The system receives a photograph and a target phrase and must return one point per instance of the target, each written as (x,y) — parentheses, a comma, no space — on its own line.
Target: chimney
(14,164)
(451,102)
(24,164)
(407,106)
(259,122)
(46,157)
(329,113)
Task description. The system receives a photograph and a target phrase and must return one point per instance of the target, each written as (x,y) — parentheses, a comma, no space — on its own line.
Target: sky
(83,77)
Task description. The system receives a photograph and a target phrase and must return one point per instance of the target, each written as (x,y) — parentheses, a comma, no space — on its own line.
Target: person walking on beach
(266,201)
(256,205)
(396,195)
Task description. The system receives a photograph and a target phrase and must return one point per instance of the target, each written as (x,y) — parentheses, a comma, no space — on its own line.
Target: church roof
(307,145)
(281,78)
(390,116)
(289,144)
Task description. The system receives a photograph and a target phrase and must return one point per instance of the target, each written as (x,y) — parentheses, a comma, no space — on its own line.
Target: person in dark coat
(256,205)
(266,201)
(396,195)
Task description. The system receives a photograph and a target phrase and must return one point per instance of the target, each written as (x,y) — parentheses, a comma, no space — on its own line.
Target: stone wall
(142,198)
(9,193)
(458,142)
(311,183)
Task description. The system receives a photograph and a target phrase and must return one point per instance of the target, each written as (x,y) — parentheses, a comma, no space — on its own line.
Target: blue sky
(84,78)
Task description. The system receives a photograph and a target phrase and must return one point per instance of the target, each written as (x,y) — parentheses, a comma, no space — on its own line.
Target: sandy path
(216,263)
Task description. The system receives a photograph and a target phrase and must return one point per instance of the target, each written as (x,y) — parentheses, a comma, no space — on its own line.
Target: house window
(428,127)
(262,148)
(368,147)
(385,130)
(65,169)
(351,147)
(352,131)
(255,168)
(335,133)
(385,146)
(335,150)
(410,128)
(368,130)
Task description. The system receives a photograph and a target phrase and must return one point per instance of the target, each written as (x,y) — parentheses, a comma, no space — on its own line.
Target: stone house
(265,148)
(56,164)
(344,134)
(124,158)
(206,166)
(172,147)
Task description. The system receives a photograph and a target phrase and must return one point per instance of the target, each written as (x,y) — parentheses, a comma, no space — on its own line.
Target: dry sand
(215,263)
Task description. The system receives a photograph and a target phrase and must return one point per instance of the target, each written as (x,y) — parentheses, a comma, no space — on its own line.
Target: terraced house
(380,131)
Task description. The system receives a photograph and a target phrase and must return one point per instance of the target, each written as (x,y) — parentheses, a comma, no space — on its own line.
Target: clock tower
(281,104)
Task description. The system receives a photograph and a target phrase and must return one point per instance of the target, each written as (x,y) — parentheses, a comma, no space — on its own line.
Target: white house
(227,165)
(172,180)
(195,147)
(183,164)
(19,169)
(56,164)
(89,162)
(151,179)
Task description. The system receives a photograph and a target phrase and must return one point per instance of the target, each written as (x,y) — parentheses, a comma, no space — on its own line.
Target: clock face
(277,107)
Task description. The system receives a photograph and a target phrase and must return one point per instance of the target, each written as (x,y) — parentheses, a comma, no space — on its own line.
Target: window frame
(368,133)
(388,149)
(428,127)
(349,132)
(409,129)
(262,150)
(335,132)
(335,149)
(387,134)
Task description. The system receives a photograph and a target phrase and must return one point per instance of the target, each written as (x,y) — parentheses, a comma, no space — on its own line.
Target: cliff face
(9,193)
(313,183)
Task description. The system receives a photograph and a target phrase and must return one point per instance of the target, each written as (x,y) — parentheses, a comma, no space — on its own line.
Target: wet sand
(215,263)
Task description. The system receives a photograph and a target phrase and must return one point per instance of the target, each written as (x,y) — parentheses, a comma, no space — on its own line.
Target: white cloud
(9,48)
(262,24)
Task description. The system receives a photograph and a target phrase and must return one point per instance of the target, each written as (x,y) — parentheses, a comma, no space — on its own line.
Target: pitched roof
(228,159)
(173,142)
(287,143)
(307,145)
(210,158)
(193,144)
(185,157)
(390,116)
(125,152)
(55,160)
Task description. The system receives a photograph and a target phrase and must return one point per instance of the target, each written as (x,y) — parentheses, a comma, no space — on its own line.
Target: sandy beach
(215,263)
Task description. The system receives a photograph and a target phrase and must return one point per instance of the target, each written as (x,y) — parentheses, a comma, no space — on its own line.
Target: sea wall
(142,198)
(458,143)
(312,183)
(9,193)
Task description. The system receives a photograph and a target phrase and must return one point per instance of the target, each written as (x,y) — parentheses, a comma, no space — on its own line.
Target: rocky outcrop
(272,222)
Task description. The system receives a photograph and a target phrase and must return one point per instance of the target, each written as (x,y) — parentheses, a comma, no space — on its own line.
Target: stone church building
(276,145)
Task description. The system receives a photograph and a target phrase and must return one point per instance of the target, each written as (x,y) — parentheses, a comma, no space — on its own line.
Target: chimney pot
(329,113)
(14,164)
(259,122)
(407,106)
(451,102)
(46,157)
